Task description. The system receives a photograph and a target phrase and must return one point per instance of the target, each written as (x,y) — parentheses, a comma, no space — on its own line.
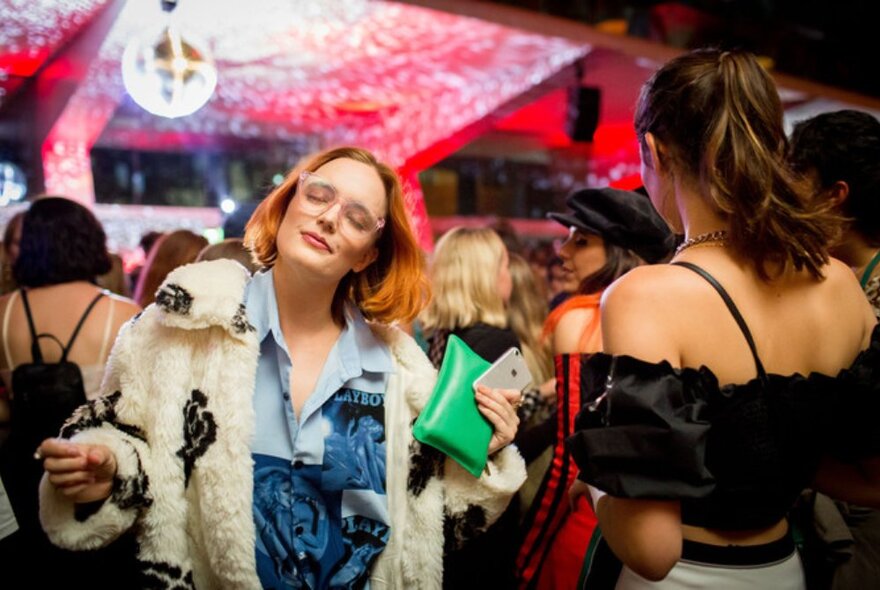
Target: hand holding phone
(508,372)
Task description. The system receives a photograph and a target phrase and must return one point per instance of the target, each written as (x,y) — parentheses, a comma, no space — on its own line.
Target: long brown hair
(618,262)
(394,286)
(168,252)
(718,120)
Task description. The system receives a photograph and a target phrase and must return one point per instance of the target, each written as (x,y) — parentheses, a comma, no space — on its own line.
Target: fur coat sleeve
(176,410)
(432,500)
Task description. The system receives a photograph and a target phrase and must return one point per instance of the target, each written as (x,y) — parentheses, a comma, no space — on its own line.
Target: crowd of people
(702,351)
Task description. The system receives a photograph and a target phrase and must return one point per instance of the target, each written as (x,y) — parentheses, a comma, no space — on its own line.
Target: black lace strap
(79,325)
(35,338)
(762,374)
(437,346)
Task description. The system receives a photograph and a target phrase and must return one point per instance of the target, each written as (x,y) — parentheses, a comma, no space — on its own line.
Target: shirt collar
(359,349)
(262,307)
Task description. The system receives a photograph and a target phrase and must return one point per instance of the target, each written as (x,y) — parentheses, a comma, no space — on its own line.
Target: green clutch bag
(451,421)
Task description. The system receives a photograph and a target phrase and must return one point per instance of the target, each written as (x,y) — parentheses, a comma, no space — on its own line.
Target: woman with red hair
(330,488)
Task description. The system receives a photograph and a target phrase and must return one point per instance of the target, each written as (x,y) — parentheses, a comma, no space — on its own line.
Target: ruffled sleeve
(643,430)
(855,425)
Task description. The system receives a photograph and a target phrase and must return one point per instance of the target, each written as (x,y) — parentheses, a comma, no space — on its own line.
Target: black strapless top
(736,456)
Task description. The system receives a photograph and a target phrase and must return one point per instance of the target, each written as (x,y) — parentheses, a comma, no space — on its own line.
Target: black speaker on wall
(583,114)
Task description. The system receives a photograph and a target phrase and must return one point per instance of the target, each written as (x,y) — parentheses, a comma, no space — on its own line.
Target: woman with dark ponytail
(739,374)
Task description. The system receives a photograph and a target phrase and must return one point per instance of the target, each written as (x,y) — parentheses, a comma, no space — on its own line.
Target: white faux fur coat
(176,409)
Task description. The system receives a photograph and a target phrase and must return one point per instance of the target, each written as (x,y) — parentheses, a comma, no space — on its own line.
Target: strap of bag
(35,338)
(79,325)
(762,374)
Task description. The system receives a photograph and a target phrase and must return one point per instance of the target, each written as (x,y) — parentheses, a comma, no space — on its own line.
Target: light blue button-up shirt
(320,507)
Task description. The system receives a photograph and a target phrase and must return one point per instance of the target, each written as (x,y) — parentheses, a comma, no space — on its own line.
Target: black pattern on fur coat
(177,411)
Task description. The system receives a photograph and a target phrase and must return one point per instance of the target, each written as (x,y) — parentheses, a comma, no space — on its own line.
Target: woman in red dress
(611,232)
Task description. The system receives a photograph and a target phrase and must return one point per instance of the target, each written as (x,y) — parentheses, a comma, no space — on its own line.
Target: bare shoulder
(841,285)
(124,308)
(839,275)
(639,312)
(570,329)
(648,288)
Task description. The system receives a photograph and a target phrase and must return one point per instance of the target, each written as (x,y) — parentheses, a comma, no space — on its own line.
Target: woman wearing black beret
(610,232)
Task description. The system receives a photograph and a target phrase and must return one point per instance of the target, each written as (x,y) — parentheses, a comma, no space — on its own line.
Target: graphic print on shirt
(318,526)
(354,442)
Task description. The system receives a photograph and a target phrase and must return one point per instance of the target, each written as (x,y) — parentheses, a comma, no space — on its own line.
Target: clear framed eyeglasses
(316,195)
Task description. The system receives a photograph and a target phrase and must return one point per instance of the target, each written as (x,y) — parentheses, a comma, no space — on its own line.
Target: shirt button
(286,396)
(298,464)
(298,530)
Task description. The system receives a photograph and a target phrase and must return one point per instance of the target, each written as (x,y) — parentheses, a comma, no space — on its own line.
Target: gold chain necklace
(718,237)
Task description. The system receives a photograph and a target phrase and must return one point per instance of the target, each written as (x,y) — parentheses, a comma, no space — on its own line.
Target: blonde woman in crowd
(470,278)
(471,283)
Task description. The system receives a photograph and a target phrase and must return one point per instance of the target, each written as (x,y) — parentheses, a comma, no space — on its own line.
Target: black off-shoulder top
(736,456)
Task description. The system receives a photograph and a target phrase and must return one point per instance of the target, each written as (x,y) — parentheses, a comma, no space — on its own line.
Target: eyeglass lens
(319,195)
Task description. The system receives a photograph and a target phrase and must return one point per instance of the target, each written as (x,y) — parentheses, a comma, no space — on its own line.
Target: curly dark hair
(61,242)
(844,145)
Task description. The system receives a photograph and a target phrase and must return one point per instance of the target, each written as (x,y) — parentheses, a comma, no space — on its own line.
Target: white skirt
(774,566)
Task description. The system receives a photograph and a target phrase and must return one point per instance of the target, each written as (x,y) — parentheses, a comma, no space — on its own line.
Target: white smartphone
(508,372)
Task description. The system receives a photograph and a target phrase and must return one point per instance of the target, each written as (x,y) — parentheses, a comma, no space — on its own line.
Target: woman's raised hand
(499,407)
(82,472)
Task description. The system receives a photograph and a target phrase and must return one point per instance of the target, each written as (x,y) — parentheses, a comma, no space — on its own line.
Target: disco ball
(168,75)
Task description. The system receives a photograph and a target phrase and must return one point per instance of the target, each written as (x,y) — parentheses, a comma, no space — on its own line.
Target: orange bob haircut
(394,287)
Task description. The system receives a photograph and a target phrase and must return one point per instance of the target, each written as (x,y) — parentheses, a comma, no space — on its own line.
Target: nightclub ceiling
(408,81)
(394,78)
